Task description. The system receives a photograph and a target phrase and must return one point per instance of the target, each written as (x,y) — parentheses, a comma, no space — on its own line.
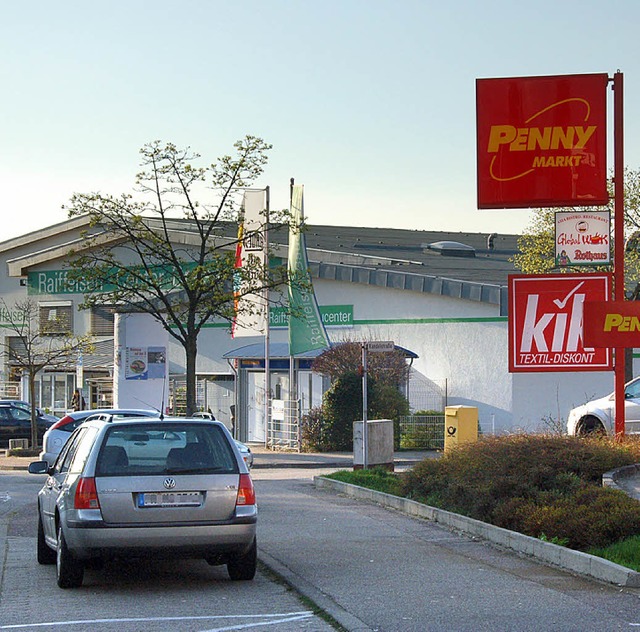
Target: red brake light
(246,493)
(67,419)
(86,494)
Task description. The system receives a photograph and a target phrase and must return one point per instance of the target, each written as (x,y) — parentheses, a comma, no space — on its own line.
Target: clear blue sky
(368,103)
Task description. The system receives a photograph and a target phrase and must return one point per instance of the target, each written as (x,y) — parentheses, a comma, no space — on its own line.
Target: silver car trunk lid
(167,499)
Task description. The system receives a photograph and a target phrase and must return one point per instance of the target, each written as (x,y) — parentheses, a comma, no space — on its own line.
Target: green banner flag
(306,330)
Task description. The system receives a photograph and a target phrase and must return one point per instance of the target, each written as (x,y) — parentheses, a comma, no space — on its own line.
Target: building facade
(442,296)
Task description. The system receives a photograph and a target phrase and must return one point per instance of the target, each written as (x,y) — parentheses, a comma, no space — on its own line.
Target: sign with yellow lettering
(612,323)
(541,141)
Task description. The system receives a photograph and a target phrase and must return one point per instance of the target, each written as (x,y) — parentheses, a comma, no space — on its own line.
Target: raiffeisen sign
(546,316)
(541,141)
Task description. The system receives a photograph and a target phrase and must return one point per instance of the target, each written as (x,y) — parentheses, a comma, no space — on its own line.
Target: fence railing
(423,432)
(283,430)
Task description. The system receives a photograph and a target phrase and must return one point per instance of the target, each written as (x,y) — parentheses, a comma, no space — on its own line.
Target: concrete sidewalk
(265,458)
(373,568)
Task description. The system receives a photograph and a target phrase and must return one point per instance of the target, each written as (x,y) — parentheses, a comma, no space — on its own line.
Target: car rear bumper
(160,541)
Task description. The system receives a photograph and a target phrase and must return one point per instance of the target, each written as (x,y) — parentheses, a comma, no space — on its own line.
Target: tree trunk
(34,416)
(191,351)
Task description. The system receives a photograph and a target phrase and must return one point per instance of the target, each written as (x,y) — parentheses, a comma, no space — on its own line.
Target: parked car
(598,415)
(149,487)
(15,423)
(58,434)
(247,455)
(27,406)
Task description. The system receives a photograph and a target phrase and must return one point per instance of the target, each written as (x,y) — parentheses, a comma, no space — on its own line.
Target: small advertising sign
(612,324)
(541,141)
(136,363)
(546,322)
(583,238)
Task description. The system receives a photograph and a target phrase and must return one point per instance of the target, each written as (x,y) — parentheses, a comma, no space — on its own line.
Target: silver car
(146,487)
(245,450)
(598,416)
(58,434)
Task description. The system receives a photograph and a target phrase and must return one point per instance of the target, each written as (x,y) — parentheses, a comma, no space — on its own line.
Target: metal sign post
(365,438)
(618,219)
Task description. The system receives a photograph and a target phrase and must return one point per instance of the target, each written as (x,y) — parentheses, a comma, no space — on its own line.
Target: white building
(442,296)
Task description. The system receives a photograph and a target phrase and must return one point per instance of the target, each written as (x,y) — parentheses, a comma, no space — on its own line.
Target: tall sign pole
(365,397)
(618,192)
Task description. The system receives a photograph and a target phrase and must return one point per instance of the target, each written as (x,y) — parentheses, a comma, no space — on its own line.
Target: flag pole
(267,376)
(292,377)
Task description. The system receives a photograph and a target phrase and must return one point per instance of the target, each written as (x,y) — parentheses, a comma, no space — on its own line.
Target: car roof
(79,414)
(155,419)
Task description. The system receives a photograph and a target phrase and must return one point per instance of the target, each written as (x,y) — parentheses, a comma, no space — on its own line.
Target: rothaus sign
(546,322)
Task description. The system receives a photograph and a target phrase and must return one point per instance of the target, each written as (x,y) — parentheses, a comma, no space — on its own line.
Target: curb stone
(553,554)
(347,620)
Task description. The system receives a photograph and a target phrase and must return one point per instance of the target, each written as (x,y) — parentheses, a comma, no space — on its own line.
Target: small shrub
(534,484)
(594,516)
(342,405)
(313,431)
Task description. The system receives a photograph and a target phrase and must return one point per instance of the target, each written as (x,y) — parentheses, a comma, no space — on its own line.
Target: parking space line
(268,619)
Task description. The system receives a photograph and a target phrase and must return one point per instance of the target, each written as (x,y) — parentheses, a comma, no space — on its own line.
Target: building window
(56,318)
(102,319)
(15,349)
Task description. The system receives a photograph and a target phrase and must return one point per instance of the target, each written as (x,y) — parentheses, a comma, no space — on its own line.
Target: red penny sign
(541,141)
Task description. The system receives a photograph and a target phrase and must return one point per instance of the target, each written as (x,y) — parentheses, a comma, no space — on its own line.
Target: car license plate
(169,499)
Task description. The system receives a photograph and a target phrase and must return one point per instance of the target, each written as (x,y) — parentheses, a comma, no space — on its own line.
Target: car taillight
(61,423)
(86,494)
(246,493)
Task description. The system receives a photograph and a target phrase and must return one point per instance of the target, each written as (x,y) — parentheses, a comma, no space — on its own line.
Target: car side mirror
(38,467)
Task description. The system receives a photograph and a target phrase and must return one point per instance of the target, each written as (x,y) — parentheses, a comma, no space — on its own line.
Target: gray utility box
(379,443)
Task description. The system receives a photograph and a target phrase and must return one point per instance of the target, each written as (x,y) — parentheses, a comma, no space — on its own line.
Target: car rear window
(165,448)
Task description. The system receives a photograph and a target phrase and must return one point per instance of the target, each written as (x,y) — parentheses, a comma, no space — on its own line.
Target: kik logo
(554,334)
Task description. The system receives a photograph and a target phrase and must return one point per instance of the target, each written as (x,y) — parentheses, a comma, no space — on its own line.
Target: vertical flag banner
(250,308)
(306,330)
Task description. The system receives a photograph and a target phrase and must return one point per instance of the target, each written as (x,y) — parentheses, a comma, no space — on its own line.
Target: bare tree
(146,259)
(30,349)
(346,357)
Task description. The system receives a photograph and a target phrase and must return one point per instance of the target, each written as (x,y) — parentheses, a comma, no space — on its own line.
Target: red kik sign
(546,322)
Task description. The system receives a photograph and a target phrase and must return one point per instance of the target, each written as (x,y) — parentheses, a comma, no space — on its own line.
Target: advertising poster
(157,362)
(583,238)
(135,367)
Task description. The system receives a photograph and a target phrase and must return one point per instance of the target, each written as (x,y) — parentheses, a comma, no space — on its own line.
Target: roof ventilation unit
(452,249)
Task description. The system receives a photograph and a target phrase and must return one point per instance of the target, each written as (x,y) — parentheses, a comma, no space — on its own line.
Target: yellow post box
(460,425)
